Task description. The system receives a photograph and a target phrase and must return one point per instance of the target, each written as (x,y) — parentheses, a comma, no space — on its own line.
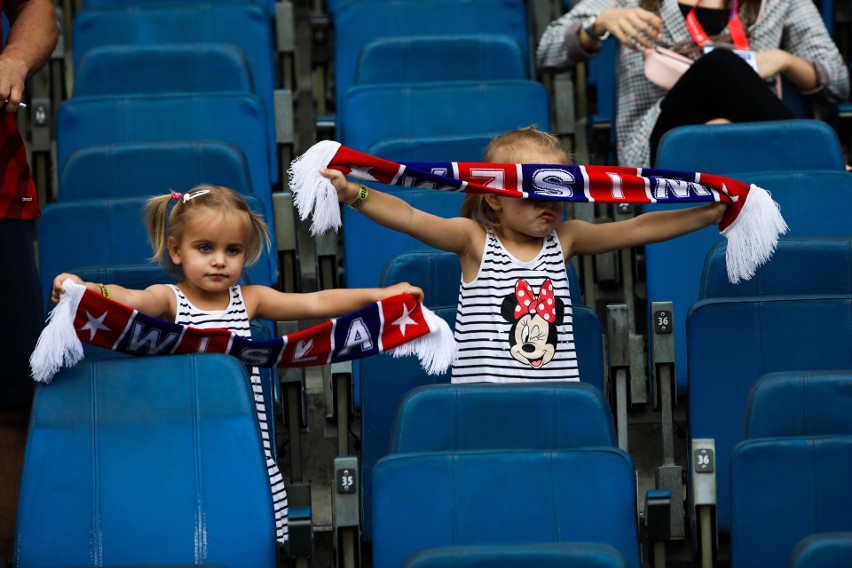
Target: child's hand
(347,191)
(57,285)
(402,288)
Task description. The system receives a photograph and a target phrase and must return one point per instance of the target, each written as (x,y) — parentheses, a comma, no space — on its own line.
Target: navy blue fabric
(145,461)
(783,490)
(799,403)
(430,500)
(732,342)
(576,555)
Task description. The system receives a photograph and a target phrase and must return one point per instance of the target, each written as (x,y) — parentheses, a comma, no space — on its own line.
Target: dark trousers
(718,85)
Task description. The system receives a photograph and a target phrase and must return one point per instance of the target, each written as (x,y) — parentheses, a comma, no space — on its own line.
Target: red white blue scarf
(752,223)
(399,325)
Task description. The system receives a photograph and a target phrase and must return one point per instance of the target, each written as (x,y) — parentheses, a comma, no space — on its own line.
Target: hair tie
(176,195)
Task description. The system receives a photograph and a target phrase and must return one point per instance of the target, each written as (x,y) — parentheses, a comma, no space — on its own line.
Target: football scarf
(398,325)
(752,223)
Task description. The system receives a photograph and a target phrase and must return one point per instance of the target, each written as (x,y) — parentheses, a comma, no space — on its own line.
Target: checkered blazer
(792,25)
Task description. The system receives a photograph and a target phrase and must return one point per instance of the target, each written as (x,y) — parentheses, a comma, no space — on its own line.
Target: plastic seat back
(732,342)
(576,555)
(109,231)
(491,416)
(106,171)
(145,461)
(369,113)
(674,267)
(151,69)
(463,57)
(784,490)
(357,22)
(428,500)
(234,118)
(788,145)
(243,25)
(799,265)
(823,550)
(799,403)
(437,148)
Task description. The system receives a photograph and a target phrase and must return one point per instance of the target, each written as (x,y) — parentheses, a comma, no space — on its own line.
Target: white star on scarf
(94,324)
(404,320)
(362,173)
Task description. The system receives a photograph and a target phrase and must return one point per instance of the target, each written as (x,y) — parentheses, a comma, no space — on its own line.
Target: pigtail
(156,215)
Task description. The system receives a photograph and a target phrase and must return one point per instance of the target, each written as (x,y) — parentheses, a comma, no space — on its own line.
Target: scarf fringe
(314,194)
(753,235)
(435,350)
(58,344)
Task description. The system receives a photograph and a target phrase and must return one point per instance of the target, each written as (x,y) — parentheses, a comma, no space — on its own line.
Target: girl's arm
(452,235)
(267,303)
(155,301)
(596,238)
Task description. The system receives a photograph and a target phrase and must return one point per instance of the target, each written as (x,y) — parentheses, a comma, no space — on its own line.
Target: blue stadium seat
(235,118)
(799,403)
(576,555)
(674,267)
(731,342)
(152,69)
(109,231)
(788,145)
(370,113)
(452,57)
(823,550)
(381,382)
(799,265)
(244,25)
(106,171)
(430,500)
(88,4)
(783,490)
(493,416)
(436,148)
(145,461)
(357,22)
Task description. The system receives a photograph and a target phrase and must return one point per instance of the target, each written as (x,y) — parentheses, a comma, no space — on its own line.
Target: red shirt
(18,195)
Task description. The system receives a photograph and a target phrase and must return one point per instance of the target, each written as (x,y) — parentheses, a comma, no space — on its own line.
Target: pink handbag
(663,67)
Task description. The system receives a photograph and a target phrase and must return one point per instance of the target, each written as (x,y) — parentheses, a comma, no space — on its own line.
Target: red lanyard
(735,27)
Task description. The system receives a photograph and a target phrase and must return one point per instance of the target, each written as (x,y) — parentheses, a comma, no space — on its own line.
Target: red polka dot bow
(543,305)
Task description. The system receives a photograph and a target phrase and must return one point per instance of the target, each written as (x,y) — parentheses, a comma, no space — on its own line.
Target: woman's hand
(636,28)
(771,62)
(402,288)
(57,285)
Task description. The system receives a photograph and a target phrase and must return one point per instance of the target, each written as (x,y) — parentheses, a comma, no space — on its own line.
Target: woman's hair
(524,145)
(749,9)
(162,225)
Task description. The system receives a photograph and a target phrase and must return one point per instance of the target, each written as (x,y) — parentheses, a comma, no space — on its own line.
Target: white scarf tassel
(314,194)
(752,236)
(436,350)
(58,344)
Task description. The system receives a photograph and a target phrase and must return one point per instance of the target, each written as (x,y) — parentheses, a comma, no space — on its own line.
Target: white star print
(94,324)
(363,173)
(404,320)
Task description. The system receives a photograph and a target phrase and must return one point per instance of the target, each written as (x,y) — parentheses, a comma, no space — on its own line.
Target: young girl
(207,239)
(514,319)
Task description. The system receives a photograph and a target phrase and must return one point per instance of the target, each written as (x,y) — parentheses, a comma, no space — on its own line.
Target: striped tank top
(235,318)
(514,321)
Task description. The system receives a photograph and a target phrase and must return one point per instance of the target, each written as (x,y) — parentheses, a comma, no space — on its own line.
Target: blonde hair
(522,145)
(163,225)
